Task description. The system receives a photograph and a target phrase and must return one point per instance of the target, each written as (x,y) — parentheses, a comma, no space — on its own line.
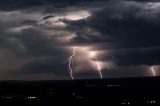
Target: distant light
(7,97)
(32,97)
(123,103)
(152,102)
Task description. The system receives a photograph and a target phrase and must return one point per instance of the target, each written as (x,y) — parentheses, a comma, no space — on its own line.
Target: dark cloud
(133,57)
(29,22)
(144,0)
(87,75)
(30,51)
(127,25)
(130,27)
(35,36)
(129,71)
(54,65)
(48,17)
(19,4)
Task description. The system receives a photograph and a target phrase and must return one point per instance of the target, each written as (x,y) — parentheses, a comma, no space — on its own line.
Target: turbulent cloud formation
(37,37)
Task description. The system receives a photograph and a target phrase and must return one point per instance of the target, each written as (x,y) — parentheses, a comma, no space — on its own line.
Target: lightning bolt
(153,71)
(70,62)
(99,69)
(93,56)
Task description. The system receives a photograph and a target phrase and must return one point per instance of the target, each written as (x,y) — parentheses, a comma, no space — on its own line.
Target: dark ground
(125,91)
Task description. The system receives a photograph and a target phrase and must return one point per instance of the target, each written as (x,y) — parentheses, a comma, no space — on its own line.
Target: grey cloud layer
(126,25)
(127,32)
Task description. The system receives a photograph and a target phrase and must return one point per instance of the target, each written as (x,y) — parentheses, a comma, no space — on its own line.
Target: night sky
(38,36)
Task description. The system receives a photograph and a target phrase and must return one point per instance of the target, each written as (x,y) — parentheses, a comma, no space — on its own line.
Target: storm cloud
(36,37)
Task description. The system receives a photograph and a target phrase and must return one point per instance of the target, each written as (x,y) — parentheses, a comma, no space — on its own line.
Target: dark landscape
(124,91)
